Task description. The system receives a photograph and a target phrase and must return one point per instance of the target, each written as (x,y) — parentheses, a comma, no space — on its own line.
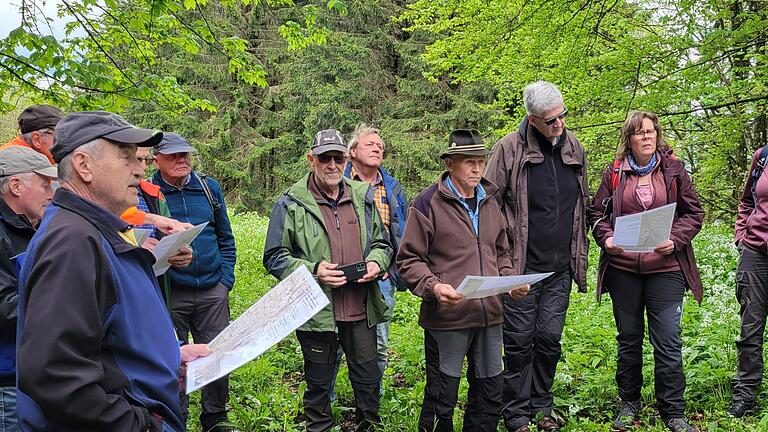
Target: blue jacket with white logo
(96,345)
(214,249)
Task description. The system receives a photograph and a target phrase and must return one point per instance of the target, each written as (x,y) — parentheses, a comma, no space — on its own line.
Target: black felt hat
(467,142)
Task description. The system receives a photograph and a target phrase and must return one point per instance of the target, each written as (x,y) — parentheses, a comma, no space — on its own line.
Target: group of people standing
(91,339)
(524,207)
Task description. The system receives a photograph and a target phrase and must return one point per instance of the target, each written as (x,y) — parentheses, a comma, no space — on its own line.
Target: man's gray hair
(27,137)
(361,130)
(5,182)
(67,170)
(540,97)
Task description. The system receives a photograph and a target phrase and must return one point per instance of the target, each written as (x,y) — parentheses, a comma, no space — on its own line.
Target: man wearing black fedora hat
(541,173)
(456,228)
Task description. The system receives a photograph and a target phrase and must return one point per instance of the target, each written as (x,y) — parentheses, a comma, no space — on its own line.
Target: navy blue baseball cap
(80,128)
(173,143)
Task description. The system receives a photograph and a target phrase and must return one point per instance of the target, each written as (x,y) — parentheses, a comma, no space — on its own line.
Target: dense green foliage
(249,82)
(266,394)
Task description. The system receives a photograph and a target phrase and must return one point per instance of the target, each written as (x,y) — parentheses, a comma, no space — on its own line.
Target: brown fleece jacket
(440,246)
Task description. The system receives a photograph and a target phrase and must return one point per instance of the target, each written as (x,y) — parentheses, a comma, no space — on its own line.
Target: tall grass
(266,394)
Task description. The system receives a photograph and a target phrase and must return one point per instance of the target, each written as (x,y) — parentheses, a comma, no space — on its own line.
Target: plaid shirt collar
(354,175)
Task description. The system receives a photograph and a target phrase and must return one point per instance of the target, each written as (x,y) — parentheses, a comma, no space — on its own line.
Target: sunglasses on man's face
(551,121)
(327,159)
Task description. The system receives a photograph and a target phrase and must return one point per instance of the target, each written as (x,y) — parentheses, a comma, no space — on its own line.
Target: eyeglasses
(552,120)
(326,159)
(642,133)
(147,159)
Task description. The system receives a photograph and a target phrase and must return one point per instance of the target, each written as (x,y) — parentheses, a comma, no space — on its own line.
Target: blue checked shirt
(142,205)
(474,216)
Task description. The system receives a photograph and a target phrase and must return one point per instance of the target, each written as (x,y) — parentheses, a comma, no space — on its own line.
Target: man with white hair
(541,172)
(25,190)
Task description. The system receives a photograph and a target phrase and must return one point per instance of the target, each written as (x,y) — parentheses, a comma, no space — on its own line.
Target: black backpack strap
(758,171)
(215,205)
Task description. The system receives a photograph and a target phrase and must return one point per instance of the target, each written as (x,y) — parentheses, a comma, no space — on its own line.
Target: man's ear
(83,165)
(36,139)
(16,186)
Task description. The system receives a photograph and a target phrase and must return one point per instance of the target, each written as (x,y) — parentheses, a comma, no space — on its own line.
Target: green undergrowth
(266,394)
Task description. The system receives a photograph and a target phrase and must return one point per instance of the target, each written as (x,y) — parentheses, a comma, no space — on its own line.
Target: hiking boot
(547,423)
(740,408)
(523,428)
(678,424)
(627,416)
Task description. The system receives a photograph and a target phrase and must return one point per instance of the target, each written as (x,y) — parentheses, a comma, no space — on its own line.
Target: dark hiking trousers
(660,296)
(319,350)
(204,313)
(752,294)
(533,327)
(444,353)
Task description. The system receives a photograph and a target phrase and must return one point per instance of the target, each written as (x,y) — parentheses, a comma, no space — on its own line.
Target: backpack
(758,170)
(215,205)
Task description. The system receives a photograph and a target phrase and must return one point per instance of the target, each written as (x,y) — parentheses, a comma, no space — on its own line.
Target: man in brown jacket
(541,173)
(456,228)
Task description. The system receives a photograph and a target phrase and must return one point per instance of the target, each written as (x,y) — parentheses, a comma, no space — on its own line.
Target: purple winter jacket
(687,223)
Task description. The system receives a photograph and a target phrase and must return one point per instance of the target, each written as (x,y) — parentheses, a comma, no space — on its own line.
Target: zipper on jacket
(333,312)
(557,194)
(336,216)
(482,269)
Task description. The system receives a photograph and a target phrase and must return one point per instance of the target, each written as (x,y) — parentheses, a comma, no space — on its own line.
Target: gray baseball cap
(79,128)
(21,160)
(328,140)
(173,143)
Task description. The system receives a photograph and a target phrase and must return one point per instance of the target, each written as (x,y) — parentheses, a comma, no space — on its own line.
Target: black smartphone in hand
(354,271)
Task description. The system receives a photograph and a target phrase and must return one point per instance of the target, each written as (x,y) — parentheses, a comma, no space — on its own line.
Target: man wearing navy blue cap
(96,350)
(199,293)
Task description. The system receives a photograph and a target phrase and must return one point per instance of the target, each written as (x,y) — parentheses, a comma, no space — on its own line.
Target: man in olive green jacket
(324,222)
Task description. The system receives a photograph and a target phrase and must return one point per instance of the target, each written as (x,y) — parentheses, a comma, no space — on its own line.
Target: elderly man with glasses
(540,170)
(199,292)
(327,222)
(36,125)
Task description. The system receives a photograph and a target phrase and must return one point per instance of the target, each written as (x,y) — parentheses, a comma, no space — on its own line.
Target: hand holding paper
(169,246)
(644,232)
(445,294)
(486,286)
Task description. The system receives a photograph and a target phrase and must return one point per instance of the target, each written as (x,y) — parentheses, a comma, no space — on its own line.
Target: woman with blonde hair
(645,176)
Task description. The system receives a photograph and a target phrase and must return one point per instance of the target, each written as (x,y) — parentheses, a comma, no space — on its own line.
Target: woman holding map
(646,176)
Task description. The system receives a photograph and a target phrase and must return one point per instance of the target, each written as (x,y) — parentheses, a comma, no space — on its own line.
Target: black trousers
(752,294)
(533,327)
(319,350)
(204,313)
(444,353)
(660,296)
